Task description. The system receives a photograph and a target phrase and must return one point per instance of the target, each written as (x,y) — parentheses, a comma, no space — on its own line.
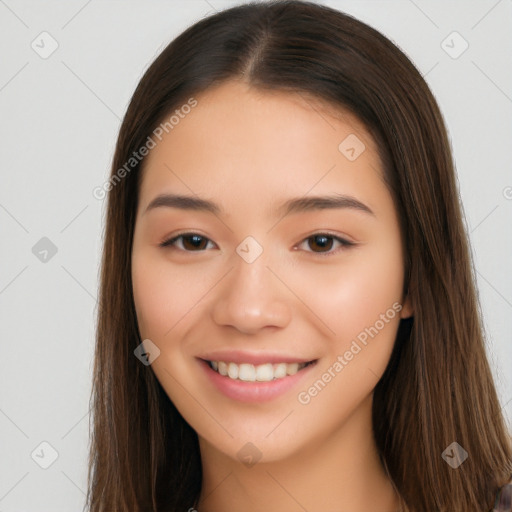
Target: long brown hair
(438,386)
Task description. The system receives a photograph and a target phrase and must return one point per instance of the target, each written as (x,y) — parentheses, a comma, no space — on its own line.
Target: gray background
(59,120)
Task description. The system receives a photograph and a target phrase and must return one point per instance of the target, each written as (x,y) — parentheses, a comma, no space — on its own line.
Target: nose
(252,298)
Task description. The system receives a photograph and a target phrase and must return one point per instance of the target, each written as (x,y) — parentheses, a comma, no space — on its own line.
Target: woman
(288,314)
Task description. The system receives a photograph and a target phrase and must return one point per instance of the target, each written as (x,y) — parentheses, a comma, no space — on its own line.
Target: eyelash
(344,244)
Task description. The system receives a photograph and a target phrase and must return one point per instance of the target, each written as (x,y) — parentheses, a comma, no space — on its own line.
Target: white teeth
(223,367)
(280,370)
(251,373)
(265,372)
(233,371)
(247,372)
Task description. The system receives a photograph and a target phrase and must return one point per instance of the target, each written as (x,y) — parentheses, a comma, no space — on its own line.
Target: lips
(254,377)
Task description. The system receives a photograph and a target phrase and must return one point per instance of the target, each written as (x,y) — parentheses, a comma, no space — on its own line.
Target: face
(283,268)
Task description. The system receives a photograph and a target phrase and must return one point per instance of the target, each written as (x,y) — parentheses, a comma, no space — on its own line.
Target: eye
(190,242)
(324,242)
(320,243)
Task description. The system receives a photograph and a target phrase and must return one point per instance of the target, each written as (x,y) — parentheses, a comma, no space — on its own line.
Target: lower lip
(254,391)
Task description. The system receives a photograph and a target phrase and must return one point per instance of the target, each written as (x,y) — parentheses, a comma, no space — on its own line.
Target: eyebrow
(295,205)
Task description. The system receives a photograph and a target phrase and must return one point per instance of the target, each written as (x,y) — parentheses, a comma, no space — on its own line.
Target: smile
(249,376)
(247,372)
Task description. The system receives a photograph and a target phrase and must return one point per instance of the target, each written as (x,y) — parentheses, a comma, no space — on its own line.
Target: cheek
(361,304)
(168,297)
(358,299)
(160,299)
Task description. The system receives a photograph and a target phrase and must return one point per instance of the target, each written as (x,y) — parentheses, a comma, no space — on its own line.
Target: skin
(249,151)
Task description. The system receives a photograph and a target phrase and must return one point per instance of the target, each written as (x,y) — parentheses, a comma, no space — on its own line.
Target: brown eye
(323,244)
(194,242)
(190,242)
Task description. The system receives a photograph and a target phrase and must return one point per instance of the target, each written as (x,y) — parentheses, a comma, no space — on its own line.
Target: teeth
(223,367)
(261,373)
(264,372)
(247,372)
(233,371)
(280,370)
(292,369)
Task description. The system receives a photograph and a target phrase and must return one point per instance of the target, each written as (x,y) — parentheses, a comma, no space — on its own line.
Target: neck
(341,472)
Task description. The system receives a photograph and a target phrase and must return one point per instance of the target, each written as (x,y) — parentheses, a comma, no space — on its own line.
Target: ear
(407,310)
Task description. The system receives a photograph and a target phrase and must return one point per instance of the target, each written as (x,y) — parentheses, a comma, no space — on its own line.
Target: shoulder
(503,502)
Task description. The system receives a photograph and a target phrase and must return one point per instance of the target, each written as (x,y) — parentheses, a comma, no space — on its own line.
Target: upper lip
(255,358)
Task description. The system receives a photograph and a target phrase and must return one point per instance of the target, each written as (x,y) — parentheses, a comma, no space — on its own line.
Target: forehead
(255,143)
